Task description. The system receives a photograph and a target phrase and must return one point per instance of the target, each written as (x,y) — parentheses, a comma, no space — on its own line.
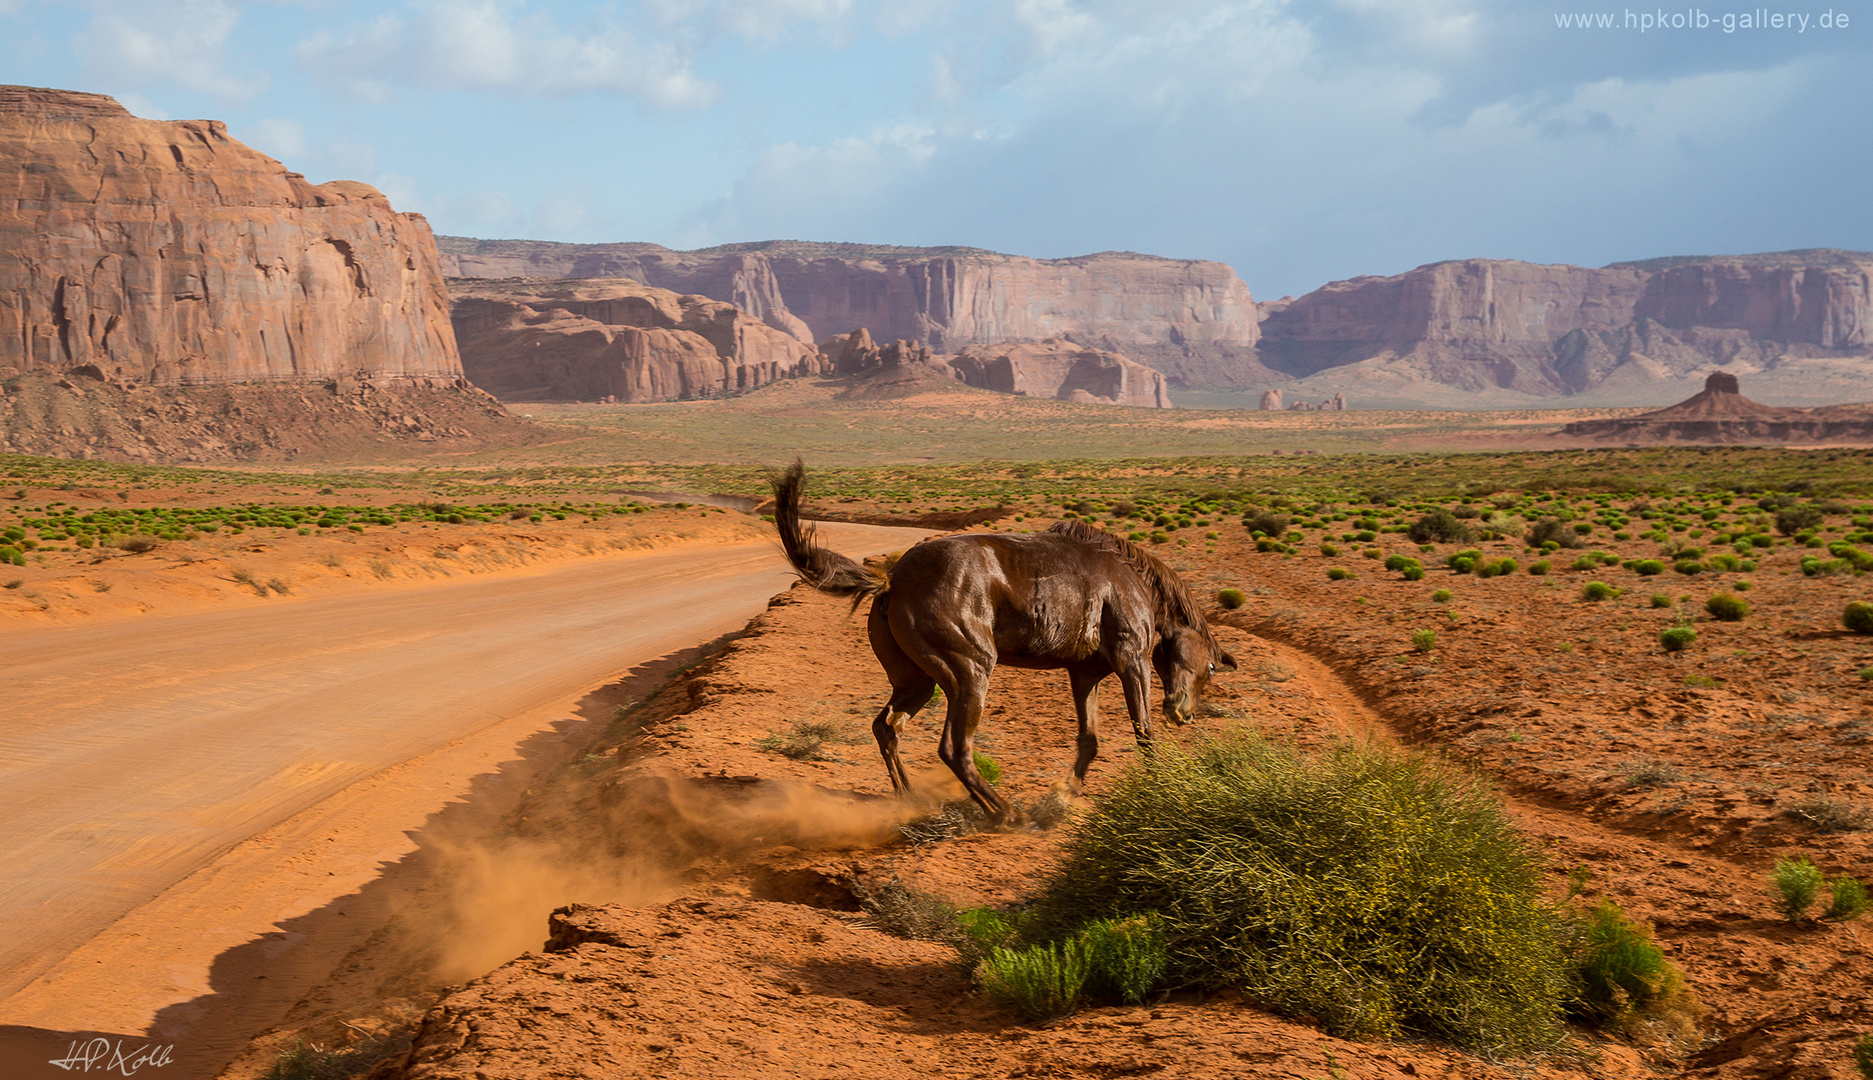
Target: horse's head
(1185,659)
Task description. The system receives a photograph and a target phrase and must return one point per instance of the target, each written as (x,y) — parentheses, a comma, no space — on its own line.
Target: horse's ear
(1225,661)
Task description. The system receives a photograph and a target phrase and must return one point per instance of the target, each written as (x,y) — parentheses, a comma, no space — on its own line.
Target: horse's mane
(1172,604)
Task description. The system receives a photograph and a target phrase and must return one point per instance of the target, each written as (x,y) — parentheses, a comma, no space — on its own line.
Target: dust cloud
(638,839)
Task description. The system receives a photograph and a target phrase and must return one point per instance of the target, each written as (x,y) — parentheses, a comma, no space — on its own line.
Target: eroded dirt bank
(1676,798)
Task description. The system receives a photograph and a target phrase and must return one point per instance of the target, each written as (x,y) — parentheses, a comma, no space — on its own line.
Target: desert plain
(532,761)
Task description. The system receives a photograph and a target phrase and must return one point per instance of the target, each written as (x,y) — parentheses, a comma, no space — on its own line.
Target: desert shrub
(1550,530)
(1423,640)
(1796,519)
(1677,638)
(1340,573)
(1463,561)
(1858,617)
(1863,1055)
(1651,772)
(303,1061)
(1797,884)
(1813,566)
(1438,525)
(1660,600)
(806,740)
(1495,567)
(139,543)
(1125,957)
(1828,815)
(990,769)
(1540,567)
(1040,981)
(1727,608)
(1865,673)
(1266,522)
(1329,549)
(1848,902)
(1597,590)
(1368,887)
(1648,567)
(1231,599)
(1441,596)
(1623,976)
(1398,562)
(901,911)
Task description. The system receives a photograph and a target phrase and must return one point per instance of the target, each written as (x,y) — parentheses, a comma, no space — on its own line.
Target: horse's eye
(1212,669)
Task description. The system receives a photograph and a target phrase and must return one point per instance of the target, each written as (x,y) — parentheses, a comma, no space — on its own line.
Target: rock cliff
(144,264)
(1193,320)
(1060,369)
(1481,324)
(615,339)
(167,253)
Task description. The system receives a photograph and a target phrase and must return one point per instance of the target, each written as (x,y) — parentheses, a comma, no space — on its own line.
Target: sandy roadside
(176,788)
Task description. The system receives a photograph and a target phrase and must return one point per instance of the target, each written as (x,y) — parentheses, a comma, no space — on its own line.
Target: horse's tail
(818,566)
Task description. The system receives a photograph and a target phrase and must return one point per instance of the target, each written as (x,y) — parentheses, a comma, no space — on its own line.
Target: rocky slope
(167,255)
(614,339)
(1721,414)
(1190,319)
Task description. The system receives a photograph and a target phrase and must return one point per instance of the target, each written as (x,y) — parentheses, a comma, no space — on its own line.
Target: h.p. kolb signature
(109,1056)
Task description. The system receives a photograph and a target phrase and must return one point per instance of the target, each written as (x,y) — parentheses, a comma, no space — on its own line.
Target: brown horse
(954,607)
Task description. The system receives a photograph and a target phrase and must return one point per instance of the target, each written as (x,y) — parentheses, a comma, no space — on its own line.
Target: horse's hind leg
(1085,685)
(957,749)
(911,688)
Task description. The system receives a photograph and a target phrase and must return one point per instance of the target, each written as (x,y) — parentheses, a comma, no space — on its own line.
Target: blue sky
(1299,143)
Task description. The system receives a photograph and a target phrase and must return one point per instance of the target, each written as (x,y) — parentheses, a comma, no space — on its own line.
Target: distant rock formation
(1060,369)
(143,263)
(1483,324)
(168,254)
(1721,414)
(1271,401)
(615,339)
(855,353)
(1191,319)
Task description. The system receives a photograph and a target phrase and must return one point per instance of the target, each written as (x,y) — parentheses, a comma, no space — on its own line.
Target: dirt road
(136,753)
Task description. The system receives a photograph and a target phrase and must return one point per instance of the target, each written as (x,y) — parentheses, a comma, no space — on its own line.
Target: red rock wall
(1195,319)
(167,253)
(597,339)
(1830,306)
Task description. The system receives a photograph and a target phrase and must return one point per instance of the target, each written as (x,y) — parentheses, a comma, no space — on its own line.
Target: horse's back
(1036,597)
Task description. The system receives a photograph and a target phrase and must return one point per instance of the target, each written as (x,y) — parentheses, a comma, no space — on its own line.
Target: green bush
(1863,1055)
(1441,596)
(1677,638)
(1598,590)
(988,767)
(1727,608)
(1660,600)
(1438,525)
(1423,640)
(1797,519)
(1553,531)
(1865,673)
(1540,568)
(1623,976)
(1330,550)
(1368,887)
(1798,884)
(1849,899)
(1126,957)
(1858,617)
(1648,567)
(1040,982)
(1340,573)
(1231,599)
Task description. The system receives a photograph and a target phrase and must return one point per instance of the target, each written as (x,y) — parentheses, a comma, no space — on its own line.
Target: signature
(110,1057)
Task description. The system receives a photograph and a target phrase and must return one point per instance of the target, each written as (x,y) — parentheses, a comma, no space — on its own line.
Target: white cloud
(132,43)
(283,138)
(490,45)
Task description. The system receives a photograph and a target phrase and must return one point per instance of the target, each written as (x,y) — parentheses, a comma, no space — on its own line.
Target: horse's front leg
(1085,683)
(967,695)
(1136,678)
